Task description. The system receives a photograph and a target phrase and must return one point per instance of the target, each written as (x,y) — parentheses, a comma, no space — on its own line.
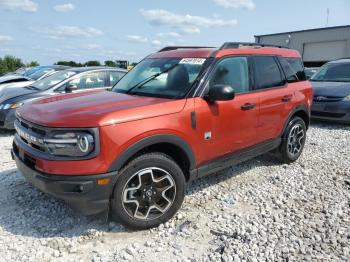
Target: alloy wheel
(296,139)
(149,193)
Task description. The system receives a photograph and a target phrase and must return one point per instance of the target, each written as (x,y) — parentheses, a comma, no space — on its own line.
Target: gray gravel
(256,211)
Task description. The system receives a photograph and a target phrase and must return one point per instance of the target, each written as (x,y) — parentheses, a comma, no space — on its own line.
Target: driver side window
(232,71)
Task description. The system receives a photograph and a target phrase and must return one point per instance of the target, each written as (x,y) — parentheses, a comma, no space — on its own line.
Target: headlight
(347,98)
(12,106)
(71,144)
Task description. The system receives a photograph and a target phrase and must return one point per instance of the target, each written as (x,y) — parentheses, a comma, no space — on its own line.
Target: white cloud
(92,46)
(62,31)
(55,50)
(55,37)
(5,49)
(137,39)
(24,5)
(5,38)
(64,8)
(249,4)
(190,30)
(169,34)
(156,43)
(186,23)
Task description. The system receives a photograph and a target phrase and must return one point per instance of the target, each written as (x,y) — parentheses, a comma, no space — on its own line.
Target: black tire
(283,151)
(120,211)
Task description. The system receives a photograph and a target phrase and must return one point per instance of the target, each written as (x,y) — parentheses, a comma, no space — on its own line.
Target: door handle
(248,106)
(287,98)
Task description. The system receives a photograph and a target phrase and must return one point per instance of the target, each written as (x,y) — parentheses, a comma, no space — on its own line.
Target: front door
(224,127)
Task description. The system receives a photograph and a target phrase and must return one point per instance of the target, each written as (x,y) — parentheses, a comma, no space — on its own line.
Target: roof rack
(169,48)
(233,45)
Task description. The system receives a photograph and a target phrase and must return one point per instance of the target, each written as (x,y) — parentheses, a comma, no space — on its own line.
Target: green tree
(69,63)
(110,63)
(10,64)
(32,64)
(92,63)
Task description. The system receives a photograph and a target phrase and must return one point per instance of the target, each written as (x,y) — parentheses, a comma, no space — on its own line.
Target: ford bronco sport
(180,114)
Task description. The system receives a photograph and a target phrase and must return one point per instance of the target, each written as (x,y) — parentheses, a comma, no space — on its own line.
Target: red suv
(180,114)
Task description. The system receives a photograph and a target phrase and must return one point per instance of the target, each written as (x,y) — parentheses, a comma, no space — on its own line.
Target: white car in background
(17,80)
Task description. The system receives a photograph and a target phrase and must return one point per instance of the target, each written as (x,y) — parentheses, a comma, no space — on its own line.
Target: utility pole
(327,17)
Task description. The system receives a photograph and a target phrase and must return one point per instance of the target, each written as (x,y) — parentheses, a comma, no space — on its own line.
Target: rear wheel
(148,192)
(293,140)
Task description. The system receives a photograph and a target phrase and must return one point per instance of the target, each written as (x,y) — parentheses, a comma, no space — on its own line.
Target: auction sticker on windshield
(192,61)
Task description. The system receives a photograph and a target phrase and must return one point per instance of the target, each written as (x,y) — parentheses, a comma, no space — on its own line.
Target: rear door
(274,97)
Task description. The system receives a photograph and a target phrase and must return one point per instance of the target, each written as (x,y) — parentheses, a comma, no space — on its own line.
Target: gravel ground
(259,210)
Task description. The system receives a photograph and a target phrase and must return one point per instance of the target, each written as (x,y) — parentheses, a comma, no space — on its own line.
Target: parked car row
(55,80)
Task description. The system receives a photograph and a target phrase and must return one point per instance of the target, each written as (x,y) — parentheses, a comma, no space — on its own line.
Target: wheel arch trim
(175,140)
(296,109)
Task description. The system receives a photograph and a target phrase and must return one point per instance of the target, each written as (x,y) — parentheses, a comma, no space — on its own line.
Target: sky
(48,31)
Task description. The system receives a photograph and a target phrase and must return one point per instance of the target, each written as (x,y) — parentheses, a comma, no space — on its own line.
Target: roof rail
(169,48)
(233,45)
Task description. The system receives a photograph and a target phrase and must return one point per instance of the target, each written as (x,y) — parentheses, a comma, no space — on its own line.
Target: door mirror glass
(220,93)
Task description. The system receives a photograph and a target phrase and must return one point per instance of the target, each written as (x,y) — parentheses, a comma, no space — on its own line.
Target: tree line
(10,63)
(109,63)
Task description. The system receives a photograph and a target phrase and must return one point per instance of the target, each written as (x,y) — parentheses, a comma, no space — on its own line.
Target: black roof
(90,68)
(306,30)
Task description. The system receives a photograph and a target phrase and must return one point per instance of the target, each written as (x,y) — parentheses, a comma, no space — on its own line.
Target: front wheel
(293,140)
(148,191)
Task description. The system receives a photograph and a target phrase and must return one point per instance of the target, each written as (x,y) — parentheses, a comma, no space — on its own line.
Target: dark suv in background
(331,86)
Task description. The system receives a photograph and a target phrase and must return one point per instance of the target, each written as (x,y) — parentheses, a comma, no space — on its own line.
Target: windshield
(333,72)
(39,74)
(161,77)
(52,80)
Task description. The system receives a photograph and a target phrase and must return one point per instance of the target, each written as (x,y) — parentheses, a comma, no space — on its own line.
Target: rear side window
(293,69)
(267,73)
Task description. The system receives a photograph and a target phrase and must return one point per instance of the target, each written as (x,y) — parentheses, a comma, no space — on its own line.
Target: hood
(15,84)
(335,89)
(10,92)
(13,78)
(96,108)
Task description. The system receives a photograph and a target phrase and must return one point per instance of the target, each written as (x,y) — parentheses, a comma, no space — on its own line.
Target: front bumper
(7,118)
(331,111)
(82,193)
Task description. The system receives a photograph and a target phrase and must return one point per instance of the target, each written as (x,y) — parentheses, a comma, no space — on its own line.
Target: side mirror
(220,93)
(70,87)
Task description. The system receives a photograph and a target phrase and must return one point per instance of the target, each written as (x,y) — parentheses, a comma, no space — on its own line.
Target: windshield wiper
(148,79)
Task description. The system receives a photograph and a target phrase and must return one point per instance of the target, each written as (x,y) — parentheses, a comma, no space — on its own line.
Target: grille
(327,114)
(31,134)
(321,99)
